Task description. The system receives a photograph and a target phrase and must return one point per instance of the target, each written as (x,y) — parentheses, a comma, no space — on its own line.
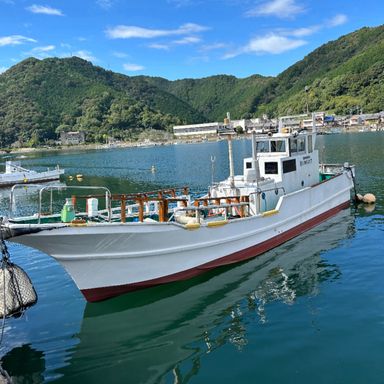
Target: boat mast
(255,163)
(231,167)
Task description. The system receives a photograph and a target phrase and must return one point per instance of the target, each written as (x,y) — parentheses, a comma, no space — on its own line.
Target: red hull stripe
(102,293)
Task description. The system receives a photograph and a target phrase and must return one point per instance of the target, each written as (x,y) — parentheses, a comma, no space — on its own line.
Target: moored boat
(16,174)
(138,240)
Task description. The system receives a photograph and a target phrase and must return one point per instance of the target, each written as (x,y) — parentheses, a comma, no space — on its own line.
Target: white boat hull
(129,256)
(7,179)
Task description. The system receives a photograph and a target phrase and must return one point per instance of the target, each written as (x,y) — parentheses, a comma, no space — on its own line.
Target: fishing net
(16,289)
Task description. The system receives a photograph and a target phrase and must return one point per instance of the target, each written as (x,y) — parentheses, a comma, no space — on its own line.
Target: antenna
(213,159)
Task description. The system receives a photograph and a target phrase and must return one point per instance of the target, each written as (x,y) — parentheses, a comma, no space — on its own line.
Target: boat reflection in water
(162,334)
(30,371)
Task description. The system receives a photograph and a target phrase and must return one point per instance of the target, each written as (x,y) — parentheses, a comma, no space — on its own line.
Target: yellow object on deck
(270,213)
(192,226)
(78,223)
(217,223)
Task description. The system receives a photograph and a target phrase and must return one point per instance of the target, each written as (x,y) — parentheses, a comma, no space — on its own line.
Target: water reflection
(24,364)
(163,334)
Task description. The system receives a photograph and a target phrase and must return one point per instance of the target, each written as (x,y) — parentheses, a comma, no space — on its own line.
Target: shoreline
(84,147)
(140,144)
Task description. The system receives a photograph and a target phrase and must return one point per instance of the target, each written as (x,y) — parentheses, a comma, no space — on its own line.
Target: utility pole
(306,89)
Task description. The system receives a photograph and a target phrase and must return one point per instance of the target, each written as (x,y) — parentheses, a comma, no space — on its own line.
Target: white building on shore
(197,130)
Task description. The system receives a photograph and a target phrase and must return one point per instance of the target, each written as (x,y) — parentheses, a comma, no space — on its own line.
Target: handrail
(213,206)
(20,186)
(259,191)
(160,199)
(199,208)
(149,195)
(58,187)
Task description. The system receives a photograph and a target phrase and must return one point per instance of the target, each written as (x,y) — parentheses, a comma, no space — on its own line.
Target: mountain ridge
(41,98)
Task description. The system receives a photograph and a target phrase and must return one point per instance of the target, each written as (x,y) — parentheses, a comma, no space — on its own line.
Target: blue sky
(179,38)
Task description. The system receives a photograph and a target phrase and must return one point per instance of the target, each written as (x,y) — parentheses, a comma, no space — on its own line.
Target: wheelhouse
(283,157)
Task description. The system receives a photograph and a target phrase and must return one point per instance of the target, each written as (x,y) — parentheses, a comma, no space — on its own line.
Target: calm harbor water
(311,310)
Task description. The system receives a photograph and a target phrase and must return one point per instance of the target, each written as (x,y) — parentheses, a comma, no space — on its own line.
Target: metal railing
(51,188)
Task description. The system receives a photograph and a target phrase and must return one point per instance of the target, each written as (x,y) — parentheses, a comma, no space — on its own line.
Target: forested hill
(214,96)
(40,98)
(340,75)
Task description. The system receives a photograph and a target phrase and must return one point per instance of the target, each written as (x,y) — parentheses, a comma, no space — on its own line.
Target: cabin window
(262,146)
(293,145)
(301,144)
(248,165)
(271,168)
(289,166)
(277,146)
(310,145)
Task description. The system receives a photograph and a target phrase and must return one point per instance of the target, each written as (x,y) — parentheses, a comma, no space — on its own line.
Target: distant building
(72,138)
(355,120)
(372,119)
(319,117)
(197,130)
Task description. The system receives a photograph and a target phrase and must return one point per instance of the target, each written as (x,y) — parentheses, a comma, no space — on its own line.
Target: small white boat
(124,242)
(15,174)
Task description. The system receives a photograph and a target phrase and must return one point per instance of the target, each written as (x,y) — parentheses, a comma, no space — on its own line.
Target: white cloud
(86,55)
(279,8)
(106,4)
(46,48)
(133,67)
(129,32)
(3,69)
(46,10)
(282,40)
(212,47)
(271,43)
(337,20)
(187,40)
(15,40)
(41,52)
(306,31)
(120,55)
(184,41)
(163,47)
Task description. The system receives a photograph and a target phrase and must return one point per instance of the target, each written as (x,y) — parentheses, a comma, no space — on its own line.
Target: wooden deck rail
(163,204)
(163,197)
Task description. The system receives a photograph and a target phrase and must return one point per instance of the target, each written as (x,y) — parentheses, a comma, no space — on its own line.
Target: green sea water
(309,311)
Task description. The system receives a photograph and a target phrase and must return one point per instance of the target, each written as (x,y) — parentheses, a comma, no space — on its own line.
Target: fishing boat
(111,244)
(208,313)
(16,174)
